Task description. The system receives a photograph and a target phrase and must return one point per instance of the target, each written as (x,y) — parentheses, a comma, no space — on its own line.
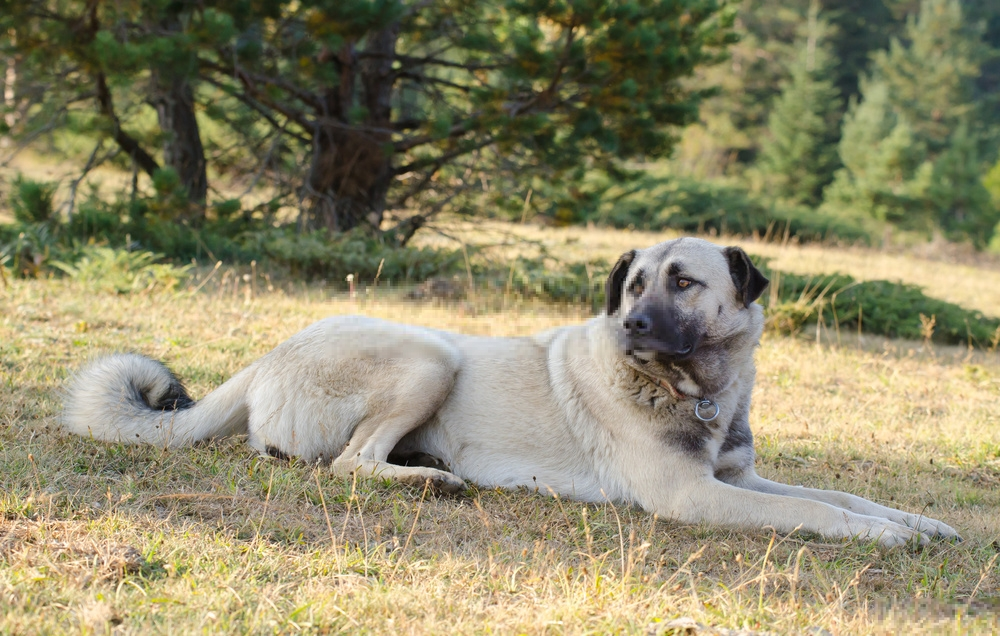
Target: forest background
(320,136)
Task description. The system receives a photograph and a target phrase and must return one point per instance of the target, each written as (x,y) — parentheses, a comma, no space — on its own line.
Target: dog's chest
(674,421)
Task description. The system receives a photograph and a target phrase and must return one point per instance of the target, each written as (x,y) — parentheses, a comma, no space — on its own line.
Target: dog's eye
(638,286)
(683,283)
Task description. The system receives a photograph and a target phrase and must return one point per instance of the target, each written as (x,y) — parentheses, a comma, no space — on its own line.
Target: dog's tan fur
(594,411)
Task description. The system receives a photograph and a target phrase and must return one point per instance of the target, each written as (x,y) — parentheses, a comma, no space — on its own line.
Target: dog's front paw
(889,534)
(933,527)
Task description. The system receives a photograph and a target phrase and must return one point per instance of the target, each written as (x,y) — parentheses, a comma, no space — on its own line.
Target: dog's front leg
(751,481)
(705,499)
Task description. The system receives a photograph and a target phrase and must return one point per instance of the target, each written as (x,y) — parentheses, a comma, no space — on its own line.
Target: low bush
(687,205)
(550,279)
(32,201)
(319,254)
(892,309)
(37,243)
(123,271)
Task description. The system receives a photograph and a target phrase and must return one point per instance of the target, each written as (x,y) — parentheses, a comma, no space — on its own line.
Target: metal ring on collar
(705,403)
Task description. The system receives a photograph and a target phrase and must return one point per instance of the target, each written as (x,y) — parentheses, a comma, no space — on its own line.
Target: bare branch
(257,107)
(251,79)
(435,61)
(127,143)
(35,134)
(92,163)
(455,131)
(424,79)
(420,164)
(263,165)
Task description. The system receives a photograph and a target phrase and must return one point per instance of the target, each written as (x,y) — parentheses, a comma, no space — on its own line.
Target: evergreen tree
(885,174)
(408,103)
(799,156)
(119,57)
(957,190)
(931,74)
(908,155)
(992,183)
(860,27)
(383,104)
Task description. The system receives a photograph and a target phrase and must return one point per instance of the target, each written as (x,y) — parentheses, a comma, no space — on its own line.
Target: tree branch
(423,79)
(455,131)
(257,107)
(433,61)
(106,104)
(250,79)
(125,141)
(420,164)
(250,85)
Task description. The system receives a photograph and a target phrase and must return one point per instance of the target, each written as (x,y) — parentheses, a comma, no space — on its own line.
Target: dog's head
(674,301)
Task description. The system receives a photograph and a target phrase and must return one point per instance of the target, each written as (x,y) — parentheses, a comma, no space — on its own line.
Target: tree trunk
(7,95)
(351,169)
(182,148)
(172,96)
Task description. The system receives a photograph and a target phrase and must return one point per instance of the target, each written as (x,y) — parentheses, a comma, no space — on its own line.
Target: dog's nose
(638,324)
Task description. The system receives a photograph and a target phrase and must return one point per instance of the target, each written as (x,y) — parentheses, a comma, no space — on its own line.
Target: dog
(646,403)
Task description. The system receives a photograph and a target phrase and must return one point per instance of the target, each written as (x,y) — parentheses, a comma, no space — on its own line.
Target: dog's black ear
(750,283)
(616,280)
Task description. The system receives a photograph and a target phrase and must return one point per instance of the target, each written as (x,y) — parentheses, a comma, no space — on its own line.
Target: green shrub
(32,201)
(881,307)
(153,225)
(150,224)
(706,206)
(544,278)
(319,254)
(122,271)
(97,221)
(28,248)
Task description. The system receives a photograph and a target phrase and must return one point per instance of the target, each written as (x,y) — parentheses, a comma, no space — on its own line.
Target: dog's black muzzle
(659,331)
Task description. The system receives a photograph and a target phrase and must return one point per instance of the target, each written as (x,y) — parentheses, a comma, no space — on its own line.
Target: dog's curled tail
(131,398)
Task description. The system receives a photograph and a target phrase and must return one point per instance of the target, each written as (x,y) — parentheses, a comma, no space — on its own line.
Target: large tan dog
(646,403)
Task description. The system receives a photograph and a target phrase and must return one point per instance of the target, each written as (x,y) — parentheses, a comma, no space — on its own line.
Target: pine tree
(102,54)
(908,155)
(992,183)
(958,192)
(931,74)
(408,103)
(885,174)
(800,155)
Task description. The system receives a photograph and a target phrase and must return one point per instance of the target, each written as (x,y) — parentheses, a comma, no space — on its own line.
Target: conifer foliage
(847,119)
(909,146)
(381,104)
(800,153)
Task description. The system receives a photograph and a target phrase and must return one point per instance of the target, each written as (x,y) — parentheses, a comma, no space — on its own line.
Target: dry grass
(943,270)
(98,538)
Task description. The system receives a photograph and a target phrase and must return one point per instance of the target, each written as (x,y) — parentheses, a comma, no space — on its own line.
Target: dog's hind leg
(418,389)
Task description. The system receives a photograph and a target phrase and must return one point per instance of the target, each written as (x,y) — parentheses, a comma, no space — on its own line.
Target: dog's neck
(684,387)
(660,382)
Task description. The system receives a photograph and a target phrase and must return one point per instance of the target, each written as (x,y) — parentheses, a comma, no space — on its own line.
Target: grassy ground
(97,538)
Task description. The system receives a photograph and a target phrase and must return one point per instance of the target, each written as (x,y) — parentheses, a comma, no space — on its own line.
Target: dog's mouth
(645,351)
